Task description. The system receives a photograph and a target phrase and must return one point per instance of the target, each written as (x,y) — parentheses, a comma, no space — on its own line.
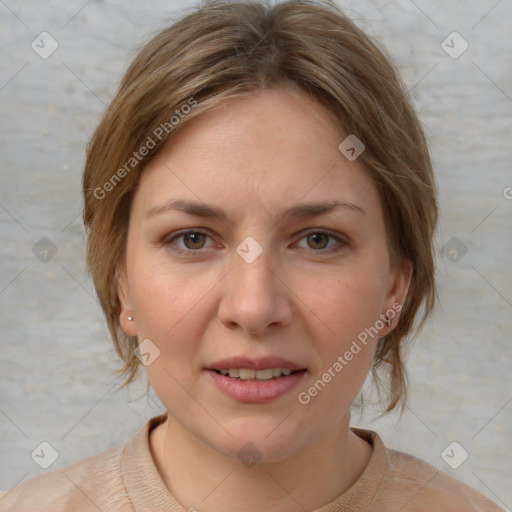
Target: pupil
(194,237)
(316,236)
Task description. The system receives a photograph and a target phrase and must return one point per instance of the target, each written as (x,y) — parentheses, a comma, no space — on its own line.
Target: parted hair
(219,51)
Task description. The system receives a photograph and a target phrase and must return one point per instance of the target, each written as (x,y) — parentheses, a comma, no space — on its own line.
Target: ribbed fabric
(125,479)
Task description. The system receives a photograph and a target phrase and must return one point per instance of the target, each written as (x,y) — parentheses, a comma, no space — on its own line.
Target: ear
(399,282)
(123,292)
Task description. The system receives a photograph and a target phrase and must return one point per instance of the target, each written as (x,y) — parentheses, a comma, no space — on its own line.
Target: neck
(201,478)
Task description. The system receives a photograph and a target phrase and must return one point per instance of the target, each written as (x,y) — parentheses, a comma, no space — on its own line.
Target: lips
(248,379)
(248,374)
(262,363)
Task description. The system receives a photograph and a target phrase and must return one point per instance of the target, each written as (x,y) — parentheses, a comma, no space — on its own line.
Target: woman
(260,207)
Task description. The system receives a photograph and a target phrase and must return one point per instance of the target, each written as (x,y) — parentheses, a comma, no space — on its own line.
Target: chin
(259,443)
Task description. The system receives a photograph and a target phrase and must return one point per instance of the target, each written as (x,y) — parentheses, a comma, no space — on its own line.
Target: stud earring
(130,318)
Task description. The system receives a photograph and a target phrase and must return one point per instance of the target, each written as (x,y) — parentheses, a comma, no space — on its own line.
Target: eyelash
(169,242)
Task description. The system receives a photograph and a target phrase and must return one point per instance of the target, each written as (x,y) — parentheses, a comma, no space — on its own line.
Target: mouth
(263,368)
(251,374)
(255,380)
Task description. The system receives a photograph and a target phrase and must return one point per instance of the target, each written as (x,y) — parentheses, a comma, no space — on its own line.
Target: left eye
(317,240)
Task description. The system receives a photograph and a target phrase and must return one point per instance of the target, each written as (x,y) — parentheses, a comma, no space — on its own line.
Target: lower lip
(256,391)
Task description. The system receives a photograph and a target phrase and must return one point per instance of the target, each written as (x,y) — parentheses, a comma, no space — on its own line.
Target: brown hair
(225,50)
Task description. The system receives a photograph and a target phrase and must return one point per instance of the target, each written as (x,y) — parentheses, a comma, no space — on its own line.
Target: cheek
(164,305)
(348,309)
(162,296)
(347,304)
(168,311)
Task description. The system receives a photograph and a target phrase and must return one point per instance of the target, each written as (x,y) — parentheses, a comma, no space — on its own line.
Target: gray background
(56,358)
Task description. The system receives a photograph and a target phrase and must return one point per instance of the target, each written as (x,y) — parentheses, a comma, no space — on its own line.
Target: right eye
(192,241)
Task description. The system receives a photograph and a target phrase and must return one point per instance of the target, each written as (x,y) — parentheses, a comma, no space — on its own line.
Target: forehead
(261,152)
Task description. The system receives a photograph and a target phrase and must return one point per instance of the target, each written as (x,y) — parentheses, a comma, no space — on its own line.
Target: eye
(317,240)
(193,240)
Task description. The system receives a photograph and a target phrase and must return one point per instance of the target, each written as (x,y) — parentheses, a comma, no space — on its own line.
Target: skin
(252,158)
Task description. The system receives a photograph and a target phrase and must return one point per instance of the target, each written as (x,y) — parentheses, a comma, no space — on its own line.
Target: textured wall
(56,359)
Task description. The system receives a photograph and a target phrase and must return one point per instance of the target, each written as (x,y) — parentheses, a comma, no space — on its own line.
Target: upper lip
(261,363)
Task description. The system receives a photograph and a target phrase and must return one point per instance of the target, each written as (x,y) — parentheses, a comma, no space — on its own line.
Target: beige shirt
(125,478)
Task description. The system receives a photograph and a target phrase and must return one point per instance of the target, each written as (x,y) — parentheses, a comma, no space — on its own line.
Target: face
(243,274)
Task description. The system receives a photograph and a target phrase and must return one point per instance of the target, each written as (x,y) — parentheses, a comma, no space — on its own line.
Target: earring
(130,318)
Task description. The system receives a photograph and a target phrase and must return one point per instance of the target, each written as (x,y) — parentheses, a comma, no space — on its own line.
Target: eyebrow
(312,209)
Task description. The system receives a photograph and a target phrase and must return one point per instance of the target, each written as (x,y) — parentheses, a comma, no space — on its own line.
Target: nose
(255,299)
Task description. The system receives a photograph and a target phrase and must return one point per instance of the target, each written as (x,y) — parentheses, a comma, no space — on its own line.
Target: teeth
(246,373)
(249,374)
(264,374)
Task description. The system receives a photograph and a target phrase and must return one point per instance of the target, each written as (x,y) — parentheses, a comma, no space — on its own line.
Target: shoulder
(410,484)
(94,483)
(434,488)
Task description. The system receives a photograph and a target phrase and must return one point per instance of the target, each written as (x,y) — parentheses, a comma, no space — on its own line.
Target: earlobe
(126,316)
